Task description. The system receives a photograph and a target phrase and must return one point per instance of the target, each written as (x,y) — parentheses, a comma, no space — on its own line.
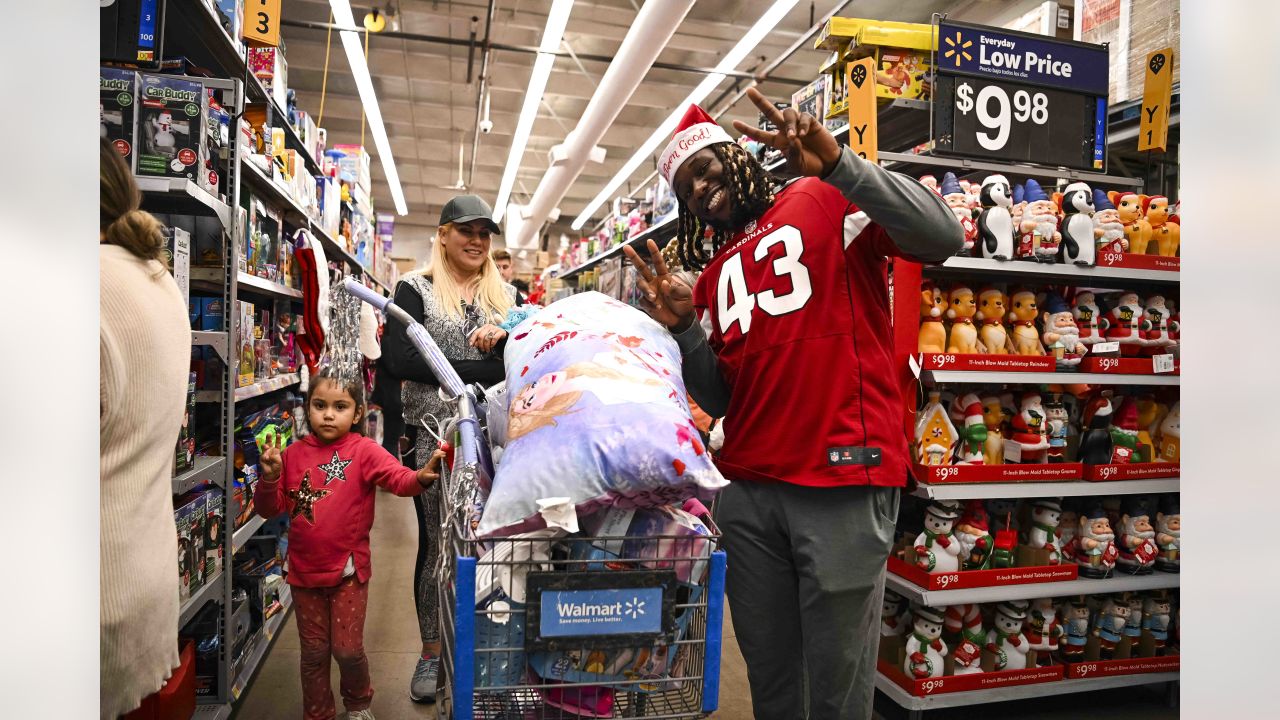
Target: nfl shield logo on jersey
(835,456)
(750,228)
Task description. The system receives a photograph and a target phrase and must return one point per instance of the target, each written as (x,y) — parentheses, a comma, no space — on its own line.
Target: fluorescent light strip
(557,19)
(763,27)
(364,84)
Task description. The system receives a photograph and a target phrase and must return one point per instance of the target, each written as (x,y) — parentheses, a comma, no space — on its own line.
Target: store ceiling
(430,108)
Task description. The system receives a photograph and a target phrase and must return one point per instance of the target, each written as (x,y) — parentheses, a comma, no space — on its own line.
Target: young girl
(326,483)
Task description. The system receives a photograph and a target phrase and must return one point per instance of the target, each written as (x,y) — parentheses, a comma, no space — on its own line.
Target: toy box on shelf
(190,515)
(170,128)
(901,52)
(353,165)
(268,65)
(116,105)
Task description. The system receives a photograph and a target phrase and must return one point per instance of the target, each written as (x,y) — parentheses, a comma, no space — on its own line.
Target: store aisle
(391,639)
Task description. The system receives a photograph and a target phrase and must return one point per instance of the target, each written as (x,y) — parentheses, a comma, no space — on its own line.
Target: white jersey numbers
(734,300)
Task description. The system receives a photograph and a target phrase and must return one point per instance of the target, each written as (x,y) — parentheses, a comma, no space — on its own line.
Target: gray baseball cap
(465,208)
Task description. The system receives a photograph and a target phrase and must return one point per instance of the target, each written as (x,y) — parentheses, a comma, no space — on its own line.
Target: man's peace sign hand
(810,149)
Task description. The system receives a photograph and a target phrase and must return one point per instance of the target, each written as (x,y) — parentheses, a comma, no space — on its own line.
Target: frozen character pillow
(597,416)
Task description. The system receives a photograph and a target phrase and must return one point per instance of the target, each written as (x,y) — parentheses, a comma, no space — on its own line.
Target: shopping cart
(546,627)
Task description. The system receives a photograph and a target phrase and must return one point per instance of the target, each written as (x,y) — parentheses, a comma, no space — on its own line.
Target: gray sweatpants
(805,582)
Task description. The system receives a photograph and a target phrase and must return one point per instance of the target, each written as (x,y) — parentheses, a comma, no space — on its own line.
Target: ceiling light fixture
(763,27)
(364,84)
(557,19)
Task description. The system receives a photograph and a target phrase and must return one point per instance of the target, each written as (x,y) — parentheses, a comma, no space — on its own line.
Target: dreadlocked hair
(751,192)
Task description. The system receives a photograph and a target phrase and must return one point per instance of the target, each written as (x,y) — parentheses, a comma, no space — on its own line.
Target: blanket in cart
(596,413)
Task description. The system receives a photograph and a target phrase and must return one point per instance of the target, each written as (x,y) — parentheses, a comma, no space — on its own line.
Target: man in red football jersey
(792,345)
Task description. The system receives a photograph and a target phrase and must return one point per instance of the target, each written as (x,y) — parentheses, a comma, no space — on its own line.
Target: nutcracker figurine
(1169,535)
(993,418)
(924,646)
(975,539)
(995,222)
(1085,311)
(1038,235)
(1137,231)
(1133,624)
(966,414)
(1022,317)
(1123,324)
(1164,230)
(1043,533)
(1155,621)
(936,437)
(1061,335)
(1005,639)
(1109,626)
(1043,631)
(964,335)
(1092,546)
(958,201)
(1030,430)
(937,550)
(1155,326)
(1075,619)
(966,636)
(895,617)
(1059,428)
(1095,443)
(933,336)
(1168,436)
(1076,205)
(1108,231)
(993,334)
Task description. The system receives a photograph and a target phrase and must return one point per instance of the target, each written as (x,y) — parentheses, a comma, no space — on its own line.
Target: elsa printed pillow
(596,412)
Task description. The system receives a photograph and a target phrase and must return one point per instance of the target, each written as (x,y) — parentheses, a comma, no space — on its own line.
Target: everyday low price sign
(1020,57)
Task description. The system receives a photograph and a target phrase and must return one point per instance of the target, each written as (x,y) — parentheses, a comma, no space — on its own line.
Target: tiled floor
(391,641)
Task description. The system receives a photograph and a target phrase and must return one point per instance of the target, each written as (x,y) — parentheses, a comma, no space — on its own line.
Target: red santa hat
(966,409)
(695,131)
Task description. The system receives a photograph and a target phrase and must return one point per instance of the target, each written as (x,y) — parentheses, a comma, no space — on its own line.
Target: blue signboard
(576,613)
(1020,57)
(147,27)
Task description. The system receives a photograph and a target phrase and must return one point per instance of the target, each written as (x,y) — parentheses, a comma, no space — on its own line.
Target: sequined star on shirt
(335,469)
(305,498)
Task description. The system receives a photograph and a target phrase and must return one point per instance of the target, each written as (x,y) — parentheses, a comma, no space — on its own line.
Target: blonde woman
(461,299)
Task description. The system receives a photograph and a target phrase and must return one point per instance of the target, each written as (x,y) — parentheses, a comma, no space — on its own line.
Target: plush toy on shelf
(1038,236)
(925,648)
(1108,231)
(933,304)
(936,437)
(1076,204)
(975,539)
(1109,625)
(1136,543)
(1005,639)
(1164,230)
(993,419)
(1030,430)
(936,547)
(1043,631)
(1155,619)
(1155,326)
(1084,308)
(966,415)
(1137,231)
(958,200)
(993,334)
(1093,548)
(1059,429)
(995,222)
(1169,535)
(966,636)
(1043,533)
(1061,335)
(1123,324)
(1022,319)
(961,307)
(1168,436)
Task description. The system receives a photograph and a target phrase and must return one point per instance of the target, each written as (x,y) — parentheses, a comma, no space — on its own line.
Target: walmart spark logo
(634,608)
(959,48)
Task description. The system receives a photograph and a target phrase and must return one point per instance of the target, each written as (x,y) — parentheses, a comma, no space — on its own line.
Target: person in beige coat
(145,358)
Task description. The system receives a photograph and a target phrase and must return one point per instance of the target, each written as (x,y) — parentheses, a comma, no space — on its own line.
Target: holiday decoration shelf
(1024,591)
(207,469)
(968,683)
(262,644)
(212,279)
(186,190)
(1129,666)
(1130,471)
(981,579)
(915,165)
(1060,273)
(1016,692)
(1070,488)
(263,387)
(211,588)
(1008,473)
(246,531)
(936,377)
(1127,366)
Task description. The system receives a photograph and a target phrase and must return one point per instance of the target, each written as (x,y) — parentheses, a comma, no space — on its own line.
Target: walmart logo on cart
(633,608)
(601,612)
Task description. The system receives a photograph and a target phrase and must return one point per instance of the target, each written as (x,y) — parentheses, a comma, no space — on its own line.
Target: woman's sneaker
(360,715)
(422,689)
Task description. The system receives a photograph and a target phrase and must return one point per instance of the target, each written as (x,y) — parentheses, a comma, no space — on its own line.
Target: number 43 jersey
(796,307)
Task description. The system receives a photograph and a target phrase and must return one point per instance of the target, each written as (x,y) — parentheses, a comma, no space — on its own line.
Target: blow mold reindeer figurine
(1164,230)
(962,306)
(933,305)
(1022,316)
(1136,228)
(993,334)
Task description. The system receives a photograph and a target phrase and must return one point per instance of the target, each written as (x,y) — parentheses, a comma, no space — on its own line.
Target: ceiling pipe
(482,100)
(649,34)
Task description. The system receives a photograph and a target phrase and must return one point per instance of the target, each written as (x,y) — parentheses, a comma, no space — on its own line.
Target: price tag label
(1162,364)
(262,22)
(1012,452)
(1104,347)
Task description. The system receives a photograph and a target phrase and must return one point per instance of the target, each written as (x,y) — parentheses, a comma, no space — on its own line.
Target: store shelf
(970,267)
(265,386)
(913,165)
(263,285)
(967,491)
(210,589)
(189,195)
(258,178)
(213,339)
(1029,591)
(208,469)
(248,530)
(263,644)
(279,118)
(1017,692)
(661,233)
(935,377)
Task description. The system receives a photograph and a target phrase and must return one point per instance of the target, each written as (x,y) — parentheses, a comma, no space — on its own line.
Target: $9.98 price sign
(1027,106)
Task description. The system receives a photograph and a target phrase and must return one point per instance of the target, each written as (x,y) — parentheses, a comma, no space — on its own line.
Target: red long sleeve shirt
(328,491)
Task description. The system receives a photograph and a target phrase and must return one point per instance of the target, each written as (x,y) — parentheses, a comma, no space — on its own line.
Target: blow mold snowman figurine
(1038,236)
(1043,533)
(995,222)
(1005,639)
(1077,207)
(937,549)
(958,200)
(895,619)
(925,647)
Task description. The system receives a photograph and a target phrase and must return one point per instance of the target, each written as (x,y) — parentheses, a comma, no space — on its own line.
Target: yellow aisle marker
(861,76)
(262,22)
(1157,93)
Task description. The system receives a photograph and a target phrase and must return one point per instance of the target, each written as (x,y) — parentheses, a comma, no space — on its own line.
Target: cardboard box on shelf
(185,455)
(170,127)
(244,345)
(189,518)
(117,102)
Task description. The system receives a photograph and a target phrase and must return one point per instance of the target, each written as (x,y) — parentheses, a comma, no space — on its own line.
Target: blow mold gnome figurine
(925,647)
(1108,231)
(1093,549)
(973,533)
(937,549)
(1019,206)
(1005,639)
(958,200)
(1038,236)
(1061,336)
(1169,535)
(1137,544)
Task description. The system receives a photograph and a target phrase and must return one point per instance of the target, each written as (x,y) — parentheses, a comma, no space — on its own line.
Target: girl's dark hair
(354,386)
(751,192)
(119,219)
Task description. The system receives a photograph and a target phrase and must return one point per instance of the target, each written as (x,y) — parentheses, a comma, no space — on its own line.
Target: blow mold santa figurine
(930,182)
(1169,535)
(1043,631)
(1076,205)
(1136,543)
(973,533)
(937,549)
(1155,326)
(1093,547)
(1124,324)
(1030,430)
(966,636)
(925,647)
(1108,231)
(966,413)
(1137,231)
(1043,533)
(1061,336)
(1084,308)
(958,200)
(995,221)
(1005,639)
(1038,236)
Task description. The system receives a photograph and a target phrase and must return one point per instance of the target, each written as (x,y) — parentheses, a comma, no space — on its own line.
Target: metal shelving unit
(1074,488)
(1025,271)
(262,387)
(185,195)
(270,631)
(935,377)
(207,469)
(916,704)
(248,530)
(207,592)
(1030,591)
